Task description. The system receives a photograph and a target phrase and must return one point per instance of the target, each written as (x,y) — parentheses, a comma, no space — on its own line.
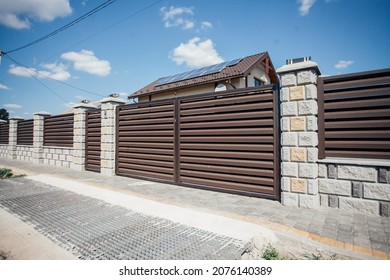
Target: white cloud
(305,6)
(86,61)
(12,106)
(55,71)
(17,14)
(69,104)
(175,16)
(206,25)
(4,87)
(196,53)
(342,64)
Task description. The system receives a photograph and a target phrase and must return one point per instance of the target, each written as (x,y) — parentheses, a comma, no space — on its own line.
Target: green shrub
(270,253)
(6,173)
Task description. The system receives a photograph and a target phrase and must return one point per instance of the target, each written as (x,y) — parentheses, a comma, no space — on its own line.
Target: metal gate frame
(176,128)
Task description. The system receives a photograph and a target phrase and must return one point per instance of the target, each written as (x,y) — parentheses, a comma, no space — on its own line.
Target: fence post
(299,137)
(13,136)
(39,121)
(108,132)
(79,135)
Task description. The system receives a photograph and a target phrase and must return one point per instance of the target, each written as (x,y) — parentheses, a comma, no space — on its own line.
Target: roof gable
(241,69)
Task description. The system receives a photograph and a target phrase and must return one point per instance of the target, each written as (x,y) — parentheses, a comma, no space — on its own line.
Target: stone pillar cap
(16,118)
(3,121)
(299,66)
(42,113)
(84,106)
(113,99)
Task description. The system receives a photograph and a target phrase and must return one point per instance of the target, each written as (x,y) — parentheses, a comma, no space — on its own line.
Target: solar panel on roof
(197,72)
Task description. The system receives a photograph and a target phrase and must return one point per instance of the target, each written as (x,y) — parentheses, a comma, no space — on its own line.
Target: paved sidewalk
(351,231)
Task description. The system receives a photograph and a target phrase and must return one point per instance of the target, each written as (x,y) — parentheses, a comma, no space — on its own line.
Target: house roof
(241,69)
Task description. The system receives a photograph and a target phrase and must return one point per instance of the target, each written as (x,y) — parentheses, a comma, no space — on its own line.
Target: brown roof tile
(241,69)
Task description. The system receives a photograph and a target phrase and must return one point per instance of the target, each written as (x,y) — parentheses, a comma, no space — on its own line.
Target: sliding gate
(223,141)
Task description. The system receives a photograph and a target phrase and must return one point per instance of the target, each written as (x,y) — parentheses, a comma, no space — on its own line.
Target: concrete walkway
(361,236)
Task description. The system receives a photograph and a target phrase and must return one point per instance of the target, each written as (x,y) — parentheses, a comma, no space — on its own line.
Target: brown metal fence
(93,140)
(58,131)
(225,141)
(25,132)
(4,133)
(354,115)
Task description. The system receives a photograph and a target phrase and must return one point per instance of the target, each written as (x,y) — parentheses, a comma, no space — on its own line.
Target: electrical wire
(61,82)
(66,26)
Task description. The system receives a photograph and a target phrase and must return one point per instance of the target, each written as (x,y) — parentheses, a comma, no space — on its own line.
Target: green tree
(4,114)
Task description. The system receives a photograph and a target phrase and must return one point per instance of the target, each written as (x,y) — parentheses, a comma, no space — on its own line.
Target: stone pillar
(39,121)
(79,135)
(13,137)
(299,138)
(107,158)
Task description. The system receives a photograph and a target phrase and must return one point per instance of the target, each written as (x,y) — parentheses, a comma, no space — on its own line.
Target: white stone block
(284,94)
(285,154)
(311,91)
(330,186)
(288,79)
(359,205)
(311,123)
(308,139)
(289,169)
(290,199)
(312,154)
(308,170)
(308,107)
(360,173)
(377,191)
(285,184)
(312,186)
(285,124)
(289,109)
(290,139)
(307,77)
(322,171)
(309,201)
(324,200)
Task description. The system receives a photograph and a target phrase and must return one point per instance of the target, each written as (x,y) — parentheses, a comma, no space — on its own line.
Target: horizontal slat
(357,114)
(221,124)
(231,108)
(370,134)
(228,185)
(147,156)
(229,131)
(144,174)
(146,133)
(144,109)
(123,150)
(145,145)
(356,94)
(357,154)
(228,147)
(168,139)
(146,127)
(227,139)
(226,101)
(357,124)
(259,163)
(227,116)
(149,162)
(225,169)
(168,119)
(366,103)
(363,145)
(130,167)
(224,154)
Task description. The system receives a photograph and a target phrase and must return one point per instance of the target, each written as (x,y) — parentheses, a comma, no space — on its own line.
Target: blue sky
(132,43)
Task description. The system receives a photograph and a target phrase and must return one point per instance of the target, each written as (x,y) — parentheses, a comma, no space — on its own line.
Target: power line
(41,74)
(66,26)
(107,28)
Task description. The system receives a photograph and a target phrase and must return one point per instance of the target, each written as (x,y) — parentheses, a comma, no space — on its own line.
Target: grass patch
(270,253)
(6,173)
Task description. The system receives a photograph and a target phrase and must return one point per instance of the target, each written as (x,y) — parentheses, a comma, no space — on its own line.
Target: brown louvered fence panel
(93,140)
(145,140)
(58,130)
(229,142)
(354,115)
(222,141)
(25,132)
(4,133)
